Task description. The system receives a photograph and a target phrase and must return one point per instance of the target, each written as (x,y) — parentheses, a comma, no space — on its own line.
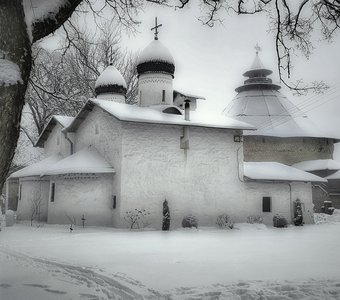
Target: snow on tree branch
(44,17)
(10,73)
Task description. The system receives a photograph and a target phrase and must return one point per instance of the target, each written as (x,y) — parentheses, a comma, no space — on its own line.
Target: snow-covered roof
(257,65)
(64,121)
(38,168)
(87,160)
(318,164)
(274,171)
(110,76)
(273,115)
(189,95)
(335,175)
(156,51)
(132,113)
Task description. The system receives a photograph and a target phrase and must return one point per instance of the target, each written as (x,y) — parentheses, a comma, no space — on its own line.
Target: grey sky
(210,61)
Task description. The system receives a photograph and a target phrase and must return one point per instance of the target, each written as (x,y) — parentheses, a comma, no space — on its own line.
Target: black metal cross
(257,48)
(156,28)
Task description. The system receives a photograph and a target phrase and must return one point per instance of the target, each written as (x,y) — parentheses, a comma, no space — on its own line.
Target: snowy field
(248,262)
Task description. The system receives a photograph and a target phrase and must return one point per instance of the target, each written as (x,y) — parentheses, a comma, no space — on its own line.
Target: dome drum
(156,67)
(110,89)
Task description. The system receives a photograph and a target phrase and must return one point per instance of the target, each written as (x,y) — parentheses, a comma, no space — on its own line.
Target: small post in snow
(83,221)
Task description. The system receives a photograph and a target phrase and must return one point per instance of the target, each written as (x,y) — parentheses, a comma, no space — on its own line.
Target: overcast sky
(210,61)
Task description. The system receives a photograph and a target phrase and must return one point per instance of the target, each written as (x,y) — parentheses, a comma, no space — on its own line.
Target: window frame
(267,206)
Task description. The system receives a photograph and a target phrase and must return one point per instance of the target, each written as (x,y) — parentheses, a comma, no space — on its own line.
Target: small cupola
(111,85)
(155,68)
(257,76)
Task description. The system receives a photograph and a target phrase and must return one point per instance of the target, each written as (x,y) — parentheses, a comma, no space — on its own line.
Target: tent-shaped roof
(274,171)
(87,160)
(64,121)
(132,113)
(318,164)
(38,168)
(260,103)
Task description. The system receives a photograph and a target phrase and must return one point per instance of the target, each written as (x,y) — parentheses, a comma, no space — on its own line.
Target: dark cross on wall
(83,220)
(156,29)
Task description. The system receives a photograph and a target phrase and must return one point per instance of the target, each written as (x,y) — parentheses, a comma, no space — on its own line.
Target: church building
(284,133)
(112,158)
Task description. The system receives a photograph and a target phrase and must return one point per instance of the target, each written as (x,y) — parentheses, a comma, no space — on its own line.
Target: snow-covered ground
(248,262)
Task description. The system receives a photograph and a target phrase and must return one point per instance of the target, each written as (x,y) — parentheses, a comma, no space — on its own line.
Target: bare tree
(36,204)
(62,80)
(22,23)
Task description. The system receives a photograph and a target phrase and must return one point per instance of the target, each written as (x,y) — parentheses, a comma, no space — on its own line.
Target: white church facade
(115,157)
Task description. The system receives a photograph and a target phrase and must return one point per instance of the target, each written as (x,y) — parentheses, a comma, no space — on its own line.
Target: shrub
(137,218)
(166,216)
(254,219)
(279,221)
(298,216)
(189,221)
(224,221)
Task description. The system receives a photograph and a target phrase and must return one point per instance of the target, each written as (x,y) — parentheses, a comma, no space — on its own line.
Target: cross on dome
(111,56)
(156,29)
(257,48)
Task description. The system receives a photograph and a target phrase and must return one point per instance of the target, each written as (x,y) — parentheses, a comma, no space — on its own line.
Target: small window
(58,140)
(114,201)
(52,191)
(163,96)
(20,188)
(96,129)
(266,204)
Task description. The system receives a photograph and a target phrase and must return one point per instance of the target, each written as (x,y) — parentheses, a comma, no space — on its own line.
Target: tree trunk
(15,47)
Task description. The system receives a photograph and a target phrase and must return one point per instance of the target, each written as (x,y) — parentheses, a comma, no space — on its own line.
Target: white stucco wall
(33,190)
(150,87)
(77,196)
(56,143)
(202,180)
(103,131)
(282,197)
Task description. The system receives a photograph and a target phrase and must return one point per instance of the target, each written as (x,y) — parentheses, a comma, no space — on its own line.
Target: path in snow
(25,277)
(53,280)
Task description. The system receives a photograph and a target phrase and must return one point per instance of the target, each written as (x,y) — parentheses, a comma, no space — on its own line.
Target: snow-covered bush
(137,218)
(254,219)
(224,221)
(298,216)
(10,218)
(189,221)
(326,218)
(279,221)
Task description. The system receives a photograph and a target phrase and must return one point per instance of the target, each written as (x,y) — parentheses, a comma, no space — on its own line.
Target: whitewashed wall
(202,180)
(103,131)
(33,189)
(150,87)
(281,196)
(75,197)
(56,143)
